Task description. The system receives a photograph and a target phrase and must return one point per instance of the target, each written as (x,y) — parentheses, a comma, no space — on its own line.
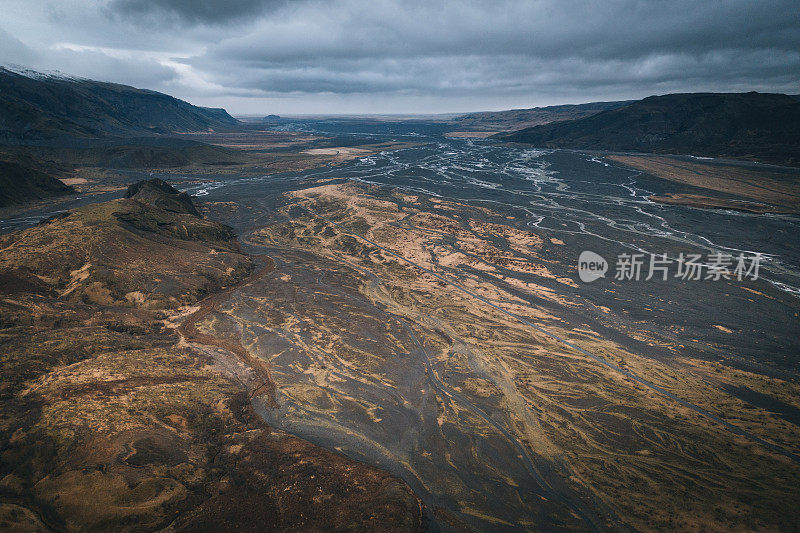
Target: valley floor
(396,338)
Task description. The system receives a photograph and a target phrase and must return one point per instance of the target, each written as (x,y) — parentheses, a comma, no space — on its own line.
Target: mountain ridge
(758,126)
(514,119)
(39,106)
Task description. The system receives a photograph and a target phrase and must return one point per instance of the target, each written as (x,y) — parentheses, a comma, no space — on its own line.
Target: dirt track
(188,330)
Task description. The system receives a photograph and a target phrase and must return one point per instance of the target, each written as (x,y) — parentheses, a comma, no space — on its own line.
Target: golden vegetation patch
(110,421)
(781,191)
(655,462)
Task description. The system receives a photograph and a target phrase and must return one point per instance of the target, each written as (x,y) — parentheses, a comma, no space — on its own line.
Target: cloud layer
(187,12)
(384,56)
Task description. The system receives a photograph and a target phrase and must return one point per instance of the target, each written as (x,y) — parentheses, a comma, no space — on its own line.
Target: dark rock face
(19,184)
(164,211)
(764,127)
(38,107)
(159,193)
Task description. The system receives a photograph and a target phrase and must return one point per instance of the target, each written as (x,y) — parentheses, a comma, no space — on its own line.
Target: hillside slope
(114,418)
(36,107)
(515,119)
(19,184)
(764,127)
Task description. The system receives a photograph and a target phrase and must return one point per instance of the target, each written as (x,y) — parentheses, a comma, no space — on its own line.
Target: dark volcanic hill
(19,184)
(764,127)
(36,107)
(159,193)
(515,119)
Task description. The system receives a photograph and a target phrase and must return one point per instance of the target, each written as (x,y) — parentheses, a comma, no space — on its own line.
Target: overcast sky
(391,56)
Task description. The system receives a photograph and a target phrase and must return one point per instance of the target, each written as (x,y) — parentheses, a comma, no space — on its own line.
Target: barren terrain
(118,414)
(478,369)
(754,190)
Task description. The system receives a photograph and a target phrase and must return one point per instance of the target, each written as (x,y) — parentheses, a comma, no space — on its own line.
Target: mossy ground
(109,422)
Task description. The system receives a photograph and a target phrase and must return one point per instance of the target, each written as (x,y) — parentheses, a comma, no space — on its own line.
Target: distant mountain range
(38,107)
(762,127)
(50,121)
(515,119)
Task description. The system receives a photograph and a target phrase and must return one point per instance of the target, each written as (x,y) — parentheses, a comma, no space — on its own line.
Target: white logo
(591,266)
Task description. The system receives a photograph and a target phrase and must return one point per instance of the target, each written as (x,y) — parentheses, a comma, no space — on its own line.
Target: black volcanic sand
(589,203)
(586,202)
(403,435)
(594,205)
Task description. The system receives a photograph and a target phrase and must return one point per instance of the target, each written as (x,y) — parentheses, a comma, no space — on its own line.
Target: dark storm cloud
(193,11)
(497,47)
(414,55)
(535,29)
